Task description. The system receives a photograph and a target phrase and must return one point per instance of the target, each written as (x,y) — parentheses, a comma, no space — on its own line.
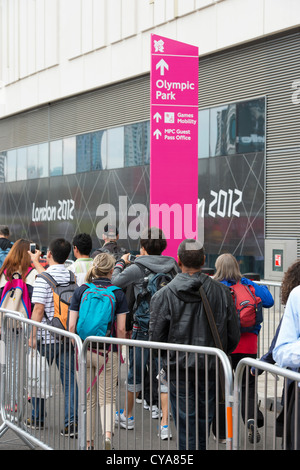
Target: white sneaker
(165,432)
(139,398)
(125,423)
(156,412)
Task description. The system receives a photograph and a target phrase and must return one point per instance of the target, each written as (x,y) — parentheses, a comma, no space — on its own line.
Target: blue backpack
(96,311)
(3,254)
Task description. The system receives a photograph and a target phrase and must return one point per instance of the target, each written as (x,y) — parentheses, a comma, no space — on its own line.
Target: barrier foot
(4,428)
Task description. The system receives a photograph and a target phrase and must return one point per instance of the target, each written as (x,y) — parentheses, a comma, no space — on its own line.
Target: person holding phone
(17,262)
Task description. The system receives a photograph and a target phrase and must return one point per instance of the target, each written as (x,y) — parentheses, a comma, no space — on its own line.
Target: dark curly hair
(290,280)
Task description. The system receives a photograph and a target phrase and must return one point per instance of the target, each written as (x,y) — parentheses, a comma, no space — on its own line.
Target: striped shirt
(80,269)
(43,294)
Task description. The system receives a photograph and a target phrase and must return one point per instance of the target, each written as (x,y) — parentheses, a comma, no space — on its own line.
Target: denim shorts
(136,355)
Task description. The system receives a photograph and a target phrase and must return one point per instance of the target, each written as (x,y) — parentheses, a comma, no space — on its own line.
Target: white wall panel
(170,10)
(48,85)
(114,21)
(159,12)
(93,70)
(199,30)
(145,15)
(75,33)
(99,23)
(280,14)
(203,3)
(1,51)
(238,21)
(52,33)
(4,43)
(129,18)
(185,6)
(40,35)
(23,50)
(11,42)
(16,39)
(31,36)
(126,57)
(87,25)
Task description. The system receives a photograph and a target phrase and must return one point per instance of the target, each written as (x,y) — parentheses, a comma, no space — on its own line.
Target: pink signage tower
(174,140)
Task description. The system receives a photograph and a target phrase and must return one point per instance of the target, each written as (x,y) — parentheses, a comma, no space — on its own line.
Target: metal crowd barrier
(19,394)
(272,317)
(37,400)
(28,388)
(145,434)
(270,393)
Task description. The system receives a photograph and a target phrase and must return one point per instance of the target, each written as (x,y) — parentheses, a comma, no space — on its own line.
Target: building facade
(75,110)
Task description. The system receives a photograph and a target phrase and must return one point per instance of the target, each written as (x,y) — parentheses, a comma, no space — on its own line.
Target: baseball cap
(111,231)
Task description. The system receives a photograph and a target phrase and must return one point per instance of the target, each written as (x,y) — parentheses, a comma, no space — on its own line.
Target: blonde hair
(102,265)
(227,268)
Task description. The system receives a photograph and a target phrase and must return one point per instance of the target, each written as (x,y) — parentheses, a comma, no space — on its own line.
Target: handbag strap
(211,319)
(216,336)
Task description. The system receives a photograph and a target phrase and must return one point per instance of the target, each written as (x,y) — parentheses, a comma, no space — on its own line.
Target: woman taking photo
(102,360)
(17,265)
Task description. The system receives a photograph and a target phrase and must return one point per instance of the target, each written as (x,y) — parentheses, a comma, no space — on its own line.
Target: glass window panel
(135,144)
(11,165)
(2,166)
(83,153)
(69,155)
(115,147)
(21,164)
(32,162)
(203,129)
(223,130)
(103,149)
(251,126)
(56,158)
(147,142)
(43,160)
(96,163)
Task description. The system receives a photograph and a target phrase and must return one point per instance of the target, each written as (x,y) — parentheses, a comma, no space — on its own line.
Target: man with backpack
(178,315)
(111,245)
(5,243)
(49,346)
(147,273)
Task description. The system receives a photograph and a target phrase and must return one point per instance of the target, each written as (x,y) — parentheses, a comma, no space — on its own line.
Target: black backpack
(152,283)
(113,249)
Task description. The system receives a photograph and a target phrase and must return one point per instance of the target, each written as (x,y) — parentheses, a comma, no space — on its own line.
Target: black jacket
(112,248)
(177,316)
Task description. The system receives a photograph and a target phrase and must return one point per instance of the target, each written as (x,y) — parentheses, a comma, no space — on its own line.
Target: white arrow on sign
(157,117)
(157,134)
(162,65)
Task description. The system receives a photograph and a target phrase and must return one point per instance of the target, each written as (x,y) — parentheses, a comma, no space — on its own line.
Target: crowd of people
(155,298)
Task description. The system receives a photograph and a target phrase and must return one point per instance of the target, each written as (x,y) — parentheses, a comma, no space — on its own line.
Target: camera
(131,258)
(32,247)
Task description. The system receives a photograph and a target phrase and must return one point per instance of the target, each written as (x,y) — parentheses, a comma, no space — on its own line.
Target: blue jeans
(135,362)
(64,358)
(189,399)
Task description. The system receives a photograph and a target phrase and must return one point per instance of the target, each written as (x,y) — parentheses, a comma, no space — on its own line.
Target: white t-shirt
(43,294)
(80,269)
